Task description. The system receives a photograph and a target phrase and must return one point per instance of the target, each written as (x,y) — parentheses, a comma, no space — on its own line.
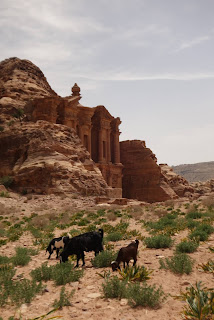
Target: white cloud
(193,42)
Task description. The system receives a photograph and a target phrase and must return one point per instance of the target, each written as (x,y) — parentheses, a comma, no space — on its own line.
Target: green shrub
(180,263)
(43,273)
(159,241)
(135,273)
(199,235)
(194,215)
(200,302)
(103,259)
(137,295)
(4,194)
(63,273)
(145,296)
(206,228)
(6,181)
(1,128)
(24,291)
(22,257)
(114,236)
(64,299)
(60,273)
(114,288)
(187,247)
(191,224)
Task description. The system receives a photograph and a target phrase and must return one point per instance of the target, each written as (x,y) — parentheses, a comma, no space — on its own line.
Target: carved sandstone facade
(96,127)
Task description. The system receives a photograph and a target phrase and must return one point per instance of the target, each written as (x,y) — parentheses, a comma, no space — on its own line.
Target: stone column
(108,146)
(100,144)
(116,147)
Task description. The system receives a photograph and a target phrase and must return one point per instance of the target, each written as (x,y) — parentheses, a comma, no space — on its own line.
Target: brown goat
(125,254)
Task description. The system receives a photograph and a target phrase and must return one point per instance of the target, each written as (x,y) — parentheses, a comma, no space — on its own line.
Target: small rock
(23,308)
(90,287)
(98,306)
(123,302)
(84,309)
(160,257)
(85,300)
(185,283)
(94,295)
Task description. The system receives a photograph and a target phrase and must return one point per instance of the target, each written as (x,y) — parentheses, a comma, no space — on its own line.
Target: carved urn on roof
(75,90)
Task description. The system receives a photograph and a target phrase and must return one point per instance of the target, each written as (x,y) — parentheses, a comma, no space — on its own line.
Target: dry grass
(40,222)
(208,201)
(111,216)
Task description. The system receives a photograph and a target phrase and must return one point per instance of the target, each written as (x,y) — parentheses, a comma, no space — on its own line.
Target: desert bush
(207,267)
(187,246)
(103,259)
(145,295)
(200,302)
(43,273)
(159,241)
(65,273)
(4,194)
(24,291)
(198,235)
(209,202)
(1,128)
(194,215)
(168,224)
(114,288)
(111,216)
(114,236)
(60,273)
(6,181)
(64,299)
(135,273)
(22,257)
(206,228)
(180,263)
(191,224)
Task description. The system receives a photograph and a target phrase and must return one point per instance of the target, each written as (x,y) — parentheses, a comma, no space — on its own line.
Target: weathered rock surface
(48,158)
(20,81)
(178,183)
(42,157)
(142,177)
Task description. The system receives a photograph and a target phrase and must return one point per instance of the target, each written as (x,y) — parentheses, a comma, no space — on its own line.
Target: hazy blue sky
(150,62)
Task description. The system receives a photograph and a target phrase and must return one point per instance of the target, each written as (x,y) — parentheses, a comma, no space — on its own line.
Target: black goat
(57,244)
(125,254)
(90,241)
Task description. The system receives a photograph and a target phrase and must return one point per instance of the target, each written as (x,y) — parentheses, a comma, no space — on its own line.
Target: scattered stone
(90,287)
(94,295)
(123,302)
(185,283)
(85,300)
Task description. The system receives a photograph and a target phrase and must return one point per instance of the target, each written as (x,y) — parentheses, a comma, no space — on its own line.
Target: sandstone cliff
(41,157)
(142,177)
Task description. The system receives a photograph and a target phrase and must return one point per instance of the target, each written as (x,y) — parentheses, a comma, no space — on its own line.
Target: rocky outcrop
(41,157)
(142,177)
(178,183)
(48,158)
(20,81)
(202,171)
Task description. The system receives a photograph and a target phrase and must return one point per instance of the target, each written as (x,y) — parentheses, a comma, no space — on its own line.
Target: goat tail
(101,232)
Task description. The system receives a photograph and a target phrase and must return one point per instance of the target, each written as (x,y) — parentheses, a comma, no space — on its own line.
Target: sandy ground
(87,302)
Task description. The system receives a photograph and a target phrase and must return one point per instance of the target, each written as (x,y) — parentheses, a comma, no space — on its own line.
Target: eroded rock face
(142,177)
(48,158)
(20,81)
(178,183)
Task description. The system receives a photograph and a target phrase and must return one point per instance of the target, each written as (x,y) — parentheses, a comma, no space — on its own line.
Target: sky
(149,62)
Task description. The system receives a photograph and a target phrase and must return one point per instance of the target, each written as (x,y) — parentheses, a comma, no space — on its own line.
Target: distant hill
(201,171)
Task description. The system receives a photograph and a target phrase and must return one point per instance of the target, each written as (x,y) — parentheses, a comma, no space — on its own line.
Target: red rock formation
(178,183)
(142,177)
(48,158)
